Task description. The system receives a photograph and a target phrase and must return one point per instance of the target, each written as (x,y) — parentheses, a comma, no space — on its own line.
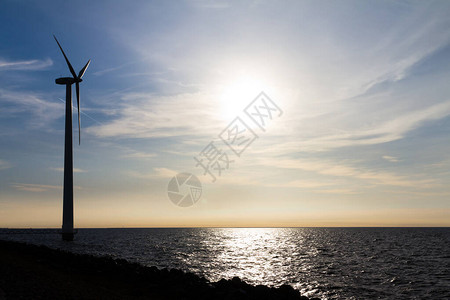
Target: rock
(236,280)
(289,292)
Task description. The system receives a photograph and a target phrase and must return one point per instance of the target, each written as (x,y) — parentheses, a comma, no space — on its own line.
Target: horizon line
(212,227)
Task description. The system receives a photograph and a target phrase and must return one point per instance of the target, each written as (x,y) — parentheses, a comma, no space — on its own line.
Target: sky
(358,134)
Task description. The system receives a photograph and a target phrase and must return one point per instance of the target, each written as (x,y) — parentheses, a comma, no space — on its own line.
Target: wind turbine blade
(84,69)
(78,107)
(67,60)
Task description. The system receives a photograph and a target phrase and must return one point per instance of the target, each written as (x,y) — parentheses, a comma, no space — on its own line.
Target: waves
(332,263)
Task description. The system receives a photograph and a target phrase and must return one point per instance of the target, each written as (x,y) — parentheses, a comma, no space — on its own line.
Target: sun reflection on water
(253,254)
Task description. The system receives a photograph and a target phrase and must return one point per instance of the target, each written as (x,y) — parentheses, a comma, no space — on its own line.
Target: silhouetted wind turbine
(67,226)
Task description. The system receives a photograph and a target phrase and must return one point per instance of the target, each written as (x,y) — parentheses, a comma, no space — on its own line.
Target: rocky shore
(38,272)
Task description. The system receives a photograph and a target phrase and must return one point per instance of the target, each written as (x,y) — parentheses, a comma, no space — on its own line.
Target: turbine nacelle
(66,80)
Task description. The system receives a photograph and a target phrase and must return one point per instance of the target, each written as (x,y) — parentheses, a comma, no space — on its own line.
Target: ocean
(329,263)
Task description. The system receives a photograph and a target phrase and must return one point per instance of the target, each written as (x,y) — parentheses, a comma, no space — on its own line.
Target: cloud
(30,102)
(4,164)
(112,69)
(31,65)
(145,115)
(390,158)
(30,187)
(35,187)
(335,169)
(140,155)
(75,170)
(210,4)
(354,128)
(233,178)
(165,172)
(158,173)
(189,154)
(318,186)
(308,184)
(443,164)
(336,191)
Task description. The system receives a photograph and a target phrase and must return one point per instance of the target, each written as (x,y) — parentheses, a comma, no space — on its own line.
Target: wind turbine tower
(67,226)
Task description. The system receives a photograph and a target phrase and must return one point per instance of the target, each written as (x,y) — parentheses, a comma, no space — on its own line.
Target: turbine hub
(65,80)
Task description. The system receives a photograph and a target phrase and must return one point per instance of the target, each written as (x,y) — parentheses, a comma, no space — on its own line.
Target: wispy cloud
(324,133)
(149,115)
(31,187)
(157,173)
(209,4)
(306,183)
(32,65)
(181,153)
(112,69)
(336,191)
(390,158)
(140,155)
(75,170)
(34,103)
(35,187)
(165,172)
(4,164)
(364,173)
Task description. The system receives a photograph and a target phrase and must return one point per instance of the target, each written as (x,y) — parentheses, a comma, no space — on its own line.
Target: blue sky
(363,85)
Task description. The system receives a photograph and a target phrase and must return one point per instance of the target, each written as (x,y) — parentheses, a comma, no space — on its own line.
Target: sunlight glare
(237,94)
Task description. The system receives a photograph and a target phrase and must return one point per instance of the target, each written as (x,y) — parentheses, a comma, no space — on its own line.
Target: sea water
(329,263)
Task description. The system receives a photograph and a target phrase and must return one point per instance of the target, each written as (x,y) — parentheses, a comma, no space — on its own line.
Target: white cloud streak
(43,110)
(390,158)
(149,115)
(25,65)
(4,164)
(28,187)
(157,173)
(75,170)
(336,169)
(31,187)
(140,155)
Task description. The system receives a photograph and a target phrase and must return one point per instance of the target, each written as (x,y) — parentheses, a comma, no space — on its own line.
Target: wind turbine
(67,226)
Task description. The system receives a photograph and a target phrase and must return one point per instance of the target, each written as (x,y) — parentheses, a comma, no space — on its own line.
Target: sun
(237,94)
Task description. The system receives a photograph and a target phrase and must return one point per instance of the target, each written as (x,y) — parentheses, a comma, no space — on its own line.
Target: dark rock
(236,280)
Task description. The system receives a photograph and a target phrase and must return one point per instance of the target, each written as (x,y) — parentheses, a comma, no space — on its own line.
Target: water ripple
(330,263)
